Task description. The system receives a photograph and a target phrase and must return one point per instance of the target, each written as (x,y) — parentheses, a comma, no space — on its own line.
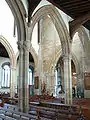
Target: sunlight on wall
(34,40)
(7,24)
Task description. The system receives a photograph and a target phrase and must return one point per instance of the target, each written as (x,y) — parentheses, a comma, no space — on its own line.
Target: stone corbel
(75,24)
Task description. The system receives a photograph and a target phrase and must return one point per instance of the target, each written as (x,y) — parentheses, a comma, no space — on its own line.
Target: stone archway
(33,53)
(85,67)
(77,66)
(9,50)
(19,16)
(83,37)
(76,75)
(64,38)
(83,57)
(11,53)
(57,21)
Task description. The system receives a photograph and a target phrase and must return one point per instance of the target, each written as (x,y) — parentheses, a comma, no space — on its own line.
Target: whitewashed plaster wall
(77,48)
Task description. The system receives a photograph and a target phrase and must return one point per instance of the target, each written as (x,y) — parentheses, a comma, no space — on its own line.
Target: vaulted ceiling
(74,8)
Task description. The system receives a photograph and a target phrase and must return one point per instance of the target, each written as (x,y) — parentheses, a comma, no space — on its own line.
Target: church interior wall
(50,47)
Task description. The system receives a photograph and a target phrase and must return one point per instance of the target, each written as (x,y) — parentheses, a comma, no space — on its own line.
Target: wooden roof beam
(75,4)
(75,24)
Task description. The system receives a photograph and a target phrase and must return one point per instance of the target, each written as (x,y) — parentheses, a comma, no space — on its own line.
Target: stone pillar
(23,94)
(40,68)
(20,77)
(67,79)
(25,82)
(12,82)
(40,56)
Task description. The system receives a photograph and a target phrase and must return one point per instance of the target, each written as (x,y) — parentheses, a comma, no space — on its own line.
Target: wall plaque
(36,82)
(87,80)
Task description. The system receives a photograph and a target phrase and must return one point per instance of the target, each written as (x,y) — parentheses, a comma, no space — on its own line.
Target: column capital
(24,45)
(20,45)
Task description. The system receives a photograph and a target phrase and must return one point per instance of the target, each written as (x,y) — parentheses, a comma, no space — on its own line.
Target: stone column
(25,82)
(40,57)
(12,82)
(67,79)
(21,76)
(23,94)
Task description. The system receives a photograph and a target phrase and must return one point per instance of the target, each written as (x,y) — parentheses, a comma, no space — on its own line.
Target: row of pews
(54,111)
(11,112)
(40,112)
(41,107)
(35,98)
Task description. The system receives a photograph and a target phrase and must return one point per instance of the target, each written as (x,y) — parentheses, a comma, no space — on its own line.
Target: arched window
(5,75)
(30,77)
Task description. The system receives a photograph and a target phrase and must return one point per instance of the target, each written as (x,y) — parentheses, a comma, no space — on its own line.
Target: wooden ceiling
(74,8)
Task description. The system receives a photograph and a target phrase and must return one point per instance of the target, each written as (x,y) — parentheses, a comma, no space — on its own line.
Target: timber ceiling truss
(79,10)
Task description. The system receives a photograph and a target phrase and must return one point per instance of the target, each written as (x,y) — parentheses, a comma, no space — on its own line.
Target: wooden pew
(17,115)
(61,113)
(11,107)
(37,98)
(10,100)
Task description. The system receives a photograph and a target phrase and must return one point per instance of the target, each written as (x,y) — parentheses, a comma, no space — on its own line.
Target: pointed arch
(33,53)
(77,65)
(9,49)
(82,34)
(58,22)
